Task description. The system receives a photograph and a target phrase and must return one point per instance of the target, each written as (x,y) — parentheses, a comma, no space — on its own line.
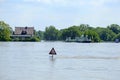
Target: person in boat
(52,52)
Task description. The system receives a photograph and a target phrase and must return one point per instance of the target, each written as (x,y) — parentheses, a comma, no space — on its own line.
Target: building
(83,39)
(23,33)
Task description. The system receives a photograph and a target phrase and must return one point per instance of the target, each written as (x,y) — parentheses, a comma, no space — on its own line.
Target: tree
(92,35)
(117,36)
(115,28)
(105,34)
(64,34)
(40,34)
(5,31)
(51,33)
(71,32)
(84,27)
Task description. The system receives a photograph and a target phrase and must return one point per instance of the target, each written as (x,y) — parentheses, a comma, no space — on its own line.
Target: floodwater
(74,61)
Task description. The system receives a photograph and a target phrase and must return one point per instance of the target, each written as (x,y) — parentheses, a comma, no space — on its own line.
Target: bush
(34,39)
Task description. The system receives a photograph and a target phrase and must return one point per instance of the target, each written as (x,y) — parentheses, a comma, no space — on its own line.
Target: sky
(59,13)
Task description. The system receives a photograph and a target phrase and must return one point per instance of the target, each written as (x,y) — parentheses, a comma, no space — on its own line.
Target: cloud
(102,2)
(39,1)
(61,13)
(74,2)
(1,1)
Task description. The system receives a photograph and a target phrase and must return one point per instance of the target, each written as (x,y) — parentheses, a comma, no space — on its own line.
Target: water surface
(74,61)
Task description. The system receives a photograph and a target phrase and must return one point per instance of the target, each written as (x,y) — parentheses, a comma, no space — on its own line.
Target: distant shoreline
(60,41)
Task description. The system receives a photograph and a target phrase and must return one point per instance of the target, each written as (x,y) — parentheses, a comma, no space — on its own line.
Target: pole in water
(52,52)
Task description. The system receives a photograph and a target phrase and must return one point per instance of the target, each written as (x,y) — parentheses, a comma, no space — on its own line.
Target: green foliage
(4,31)
(40,34)
(117,36)
(92,35)
(71,32)
(105,34)
(84,27)
(51,33)
(34,39)
(115,28)
(96,34)
(110,33)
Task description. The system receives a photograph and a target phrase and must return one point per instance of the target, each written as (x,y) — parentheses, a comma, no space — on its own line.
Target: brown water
(74,61)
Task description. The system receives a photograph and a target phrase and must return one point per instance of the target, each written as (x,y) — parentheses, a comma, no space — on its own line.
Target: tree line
(97,34)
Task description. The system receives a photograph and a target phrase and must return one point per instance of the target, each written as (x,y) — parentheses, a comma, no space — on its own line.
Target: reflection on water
(74,61)
(52,59)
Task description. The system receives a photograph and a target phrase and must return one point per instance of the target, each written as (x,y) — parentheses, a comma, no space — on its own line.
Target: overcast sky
(60,13)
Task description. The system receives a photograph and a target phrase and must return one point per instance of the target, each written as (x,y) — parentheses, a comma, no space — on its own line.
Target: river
(74,61)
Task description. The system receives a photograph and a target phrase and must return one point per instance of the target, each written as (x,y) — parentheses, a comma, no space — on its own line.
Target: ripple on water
(88,57)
